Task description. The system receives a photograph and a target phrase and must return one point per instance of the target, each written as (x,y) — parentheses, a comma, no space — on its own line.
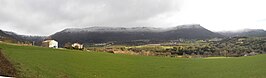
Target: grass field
(39,62)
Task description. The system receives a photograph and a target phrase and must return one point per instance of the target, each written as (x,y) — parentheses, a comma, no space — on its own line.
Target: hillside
(37,62)
(245,32)
(6,37)
(25,38)
(120,34)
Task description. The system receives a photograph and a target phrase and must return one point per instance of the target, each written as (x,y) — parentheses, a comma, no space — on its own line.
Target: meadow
(38,62)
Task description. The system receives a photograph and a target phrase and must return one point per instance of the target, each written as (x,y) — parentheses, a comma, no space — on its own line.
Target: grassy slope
(50,63)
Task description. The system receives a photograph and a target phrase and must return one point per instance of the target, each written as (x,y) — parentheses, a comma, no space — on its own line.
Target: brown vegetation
(6,67)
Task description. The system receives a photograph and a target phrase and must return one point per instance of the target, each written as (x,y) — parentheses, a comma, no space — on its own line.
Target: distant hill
(120,34)
(6,37)
(22,38)
(245,32)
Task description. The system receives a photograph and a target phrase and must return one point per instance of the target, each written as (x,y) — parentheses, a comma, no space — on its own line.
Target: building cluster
(54,44)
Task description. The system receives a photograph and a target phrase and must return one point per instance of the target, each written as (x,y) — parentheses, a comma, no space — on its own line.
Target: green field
(55,63)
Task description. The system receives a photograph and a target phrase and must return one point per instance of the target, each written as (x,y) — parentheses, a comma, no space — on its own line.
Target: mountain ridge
(6,37)
(121,34)
(245,32)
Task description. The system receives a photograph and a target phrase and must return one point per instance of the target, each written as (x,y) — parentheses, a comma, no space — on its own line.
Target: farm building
(77,46)
(50,43)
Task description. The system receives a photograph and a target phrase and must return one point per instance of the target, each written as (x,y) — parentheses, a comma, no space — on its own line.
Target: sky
(46,17)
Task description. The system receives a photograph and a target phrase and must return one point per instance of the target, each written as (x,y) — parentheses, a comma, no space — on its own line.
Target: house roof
(49,41)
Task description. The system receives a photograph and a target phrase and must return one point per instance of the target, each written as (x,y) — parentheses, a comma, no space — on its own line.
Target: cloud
(45,17)
(219,15)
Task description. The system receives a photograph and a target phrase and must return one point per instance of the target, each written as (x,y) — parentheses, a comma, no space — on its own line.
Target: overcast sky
(45,17)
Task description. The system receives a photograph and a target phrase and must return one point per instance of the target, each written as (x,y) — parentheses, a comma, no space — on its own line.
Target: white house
(50,43)
(77,45)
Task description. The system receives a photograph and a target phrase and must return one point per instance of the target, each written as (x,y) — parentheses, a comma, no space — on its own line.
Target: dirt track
(6,67)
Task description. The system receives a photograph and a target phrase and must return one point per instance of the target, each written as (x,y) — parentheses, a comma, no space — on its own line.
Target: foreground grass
(53,63)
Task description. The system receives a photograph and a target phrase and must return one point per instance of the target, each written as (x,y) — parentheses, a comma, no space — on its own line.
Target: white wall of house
(53,44)
(6,77)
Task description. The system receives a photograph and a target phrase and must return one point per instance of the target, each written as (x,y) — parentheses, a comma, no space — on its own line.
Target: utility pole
(33,42)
